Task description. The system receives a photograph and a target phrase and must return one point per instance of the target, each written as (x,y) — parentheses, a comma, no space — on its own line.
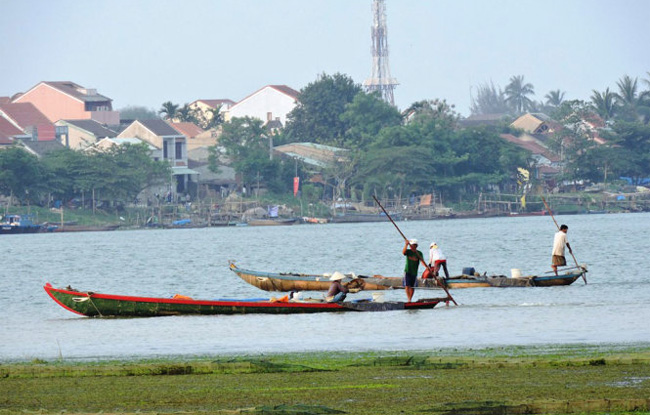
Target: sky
(146,52)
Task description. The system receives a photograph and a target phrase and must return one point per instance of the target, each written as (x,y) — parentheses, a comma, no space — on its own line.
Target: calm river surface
(612,309)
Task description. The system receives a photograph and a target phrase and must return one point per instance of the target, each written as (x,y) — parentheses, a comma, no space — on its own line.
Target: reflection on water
(612,308)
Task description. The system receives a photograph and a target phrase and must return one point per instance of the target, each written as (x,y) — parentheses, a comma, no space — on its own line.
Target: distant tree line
(423,149)
(390,154)
(116,175)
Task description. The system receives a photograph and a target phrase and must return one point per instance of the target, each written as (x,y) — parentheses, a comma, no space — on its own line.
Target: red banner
(296,185)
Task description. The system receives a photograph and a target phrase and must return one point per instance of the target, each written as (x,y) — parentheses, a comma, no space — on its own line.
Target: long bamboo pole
(584,278)
(441,283)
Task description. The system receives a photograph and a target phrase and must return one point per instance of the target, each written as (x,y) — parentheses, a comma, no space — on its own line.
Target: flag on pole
(296,185)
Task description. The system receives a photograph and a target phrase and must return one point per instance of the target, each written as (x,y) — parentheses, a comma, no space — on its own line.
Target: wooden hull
(14,230)
(269,281)
(272,222)
(93,304)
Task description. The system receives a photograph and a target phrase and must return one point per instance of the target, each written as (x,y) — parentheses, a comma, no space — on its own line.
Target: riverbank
(511,380)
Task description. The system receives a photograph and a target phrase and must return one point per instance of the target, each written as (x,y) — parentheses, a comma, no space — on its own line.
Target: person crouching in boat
(437,259)
(337,291)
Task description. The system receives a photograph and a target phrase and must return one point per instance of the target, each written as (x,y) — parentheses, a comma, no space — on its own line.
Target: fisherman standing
(413,256)
(559,242)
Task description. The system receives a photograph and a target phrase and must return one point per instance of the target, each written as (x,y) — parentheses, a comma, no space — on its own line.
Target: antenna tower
(380,79)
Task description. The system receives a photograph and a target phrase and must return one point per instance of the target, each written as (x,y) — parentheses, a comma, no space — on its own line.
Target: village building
(25,117)
(65,100)
(81,134)
(270,103)
(170,146)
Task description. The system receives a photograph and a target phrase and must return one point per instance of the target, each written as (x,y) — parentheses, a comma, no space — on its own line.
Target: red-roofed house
(546,162)
(69,101)
(271,103)
(29,120)
(197,138)
(8,131)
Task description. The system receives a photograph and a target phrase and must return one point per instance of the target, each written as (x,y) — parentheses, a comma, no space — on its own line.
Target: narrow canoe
(94,304)
(291,281)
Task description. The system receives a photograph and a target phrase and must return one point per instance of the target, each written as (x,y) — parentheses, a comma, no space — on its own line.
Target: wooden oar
(441,283)
(584,278)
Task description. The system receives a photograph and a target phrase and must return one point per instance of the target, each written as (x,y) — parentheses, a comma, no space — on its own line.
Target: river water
(613,308)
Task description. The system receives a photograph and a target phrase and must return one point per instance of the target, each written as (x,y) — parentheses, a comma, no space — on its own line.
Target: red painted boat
(94,304)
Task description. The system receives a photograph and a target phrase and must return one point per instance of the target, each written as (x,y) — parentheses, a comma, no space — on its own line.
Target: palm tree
(554,98)
(168,110)
(215,117)
(489,100)
(635,105)
(517,92)
(627,91)
(185,114)
(604,103)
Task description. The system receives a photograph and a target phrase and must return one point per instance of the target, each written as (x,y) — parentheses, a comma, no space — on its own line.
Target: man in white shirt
(437,259)
(559,242)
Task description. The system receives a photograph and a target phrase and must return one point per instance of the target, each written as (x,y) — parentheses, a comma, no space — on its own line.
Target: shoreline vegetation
(553,379)
(232,211)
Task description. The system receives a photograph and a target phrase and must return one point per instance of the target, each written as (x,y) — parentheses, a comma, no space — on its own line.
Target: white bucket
(378,297)
(515,273)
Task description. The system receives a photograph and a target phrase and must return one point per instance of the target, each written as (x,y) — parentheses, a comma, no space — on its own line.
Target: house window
(179,150)
(165,152)
(62,134)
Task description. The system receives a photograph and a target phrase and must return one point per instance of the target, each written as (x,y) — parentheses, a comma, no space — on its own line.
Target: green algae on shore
(564,379)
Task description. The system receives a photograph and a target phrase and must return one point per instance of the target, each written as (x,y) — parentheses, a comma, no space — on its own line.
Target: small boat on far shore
(273,221)
(16,224)
(93,304)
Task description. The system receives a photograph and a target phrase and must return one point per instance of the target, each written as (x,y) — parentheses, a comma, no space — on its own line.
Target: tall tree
(186,114)
(136,112)
(633,138)
(213,118)
(517,94)
(554,98)
(20,174)
(317,116)
(168,110)
(365,116)
(489,100)
(604,103)
(246,145)
(635,104)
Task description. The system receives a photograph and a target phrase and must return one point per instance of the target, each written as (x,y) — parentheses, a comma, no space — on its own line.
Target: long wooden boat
(94,304)
(291,281)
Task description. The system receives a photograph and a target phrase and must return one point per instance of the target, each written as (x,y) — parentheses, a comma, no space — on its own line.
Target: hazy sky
(146,52)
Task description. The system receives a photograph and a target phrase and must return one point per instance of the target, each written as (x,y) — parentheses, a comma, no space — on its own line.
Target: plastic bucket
(468,271)
(515,273)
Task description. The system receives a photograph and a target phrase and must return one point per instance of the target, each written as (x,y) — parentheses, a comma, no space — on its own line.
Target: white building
(271,103)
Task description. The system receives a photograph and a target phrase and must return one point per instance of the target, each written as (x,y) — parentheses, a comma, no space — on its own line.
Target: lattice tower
(380,79)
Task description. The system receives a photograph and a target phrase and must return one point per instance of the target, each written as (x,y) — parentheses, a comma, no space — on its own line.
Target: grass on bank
(487,381)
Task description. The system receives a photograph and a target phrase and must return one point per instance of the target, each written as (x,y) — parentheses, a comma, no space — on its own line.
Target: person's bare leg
(409,293)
